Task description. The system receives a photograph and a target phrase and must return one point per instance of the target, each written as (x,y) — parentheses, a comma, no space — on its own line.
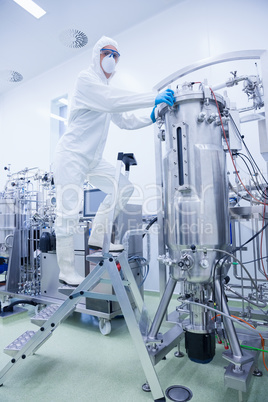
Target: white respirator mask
(108,64)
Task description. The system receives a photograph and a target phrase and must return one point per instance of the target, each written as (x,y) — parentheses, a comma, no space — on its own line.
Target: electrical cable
(264,272)
(240,319)
(242,139)
(149,225)
(254,179)
(214,273)
(242,156)
(217,311)
(257,259)
(224,259)
(9,308)
(240,262)
(246,198)
(262,340)
(252,348)
(262,305)
(252,238)
(141,260)
(142,263)
(230,152)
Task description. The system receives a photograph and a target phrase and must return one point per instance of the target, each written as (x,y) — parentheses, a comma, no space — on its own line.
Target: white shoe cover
(97,245)
(71,279)
(65,257)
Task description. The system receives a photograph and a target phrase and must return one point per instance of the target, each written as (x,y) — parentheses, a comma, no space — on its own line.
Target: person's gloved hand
(153,115)
(166,96)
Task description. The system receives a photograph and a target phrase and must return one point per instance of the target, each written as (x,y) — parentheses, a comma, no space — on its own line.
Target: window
(58,121)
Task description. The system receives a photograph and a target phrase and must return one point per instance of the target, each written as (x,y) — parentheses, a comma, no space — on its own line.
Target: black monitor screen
(92,200)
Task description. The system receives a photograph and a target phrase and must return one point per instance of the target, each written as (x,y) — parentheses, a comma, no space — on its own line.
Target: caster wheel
(105,326)
(257,373)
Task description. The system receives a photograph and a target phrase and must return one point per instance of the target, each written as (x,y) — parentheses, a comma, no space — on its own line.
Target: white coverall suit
(79,154)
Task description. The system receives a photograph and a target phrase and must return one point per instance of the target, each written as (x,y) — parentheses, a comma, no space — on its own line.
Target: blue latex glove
(153,115)
(166,96)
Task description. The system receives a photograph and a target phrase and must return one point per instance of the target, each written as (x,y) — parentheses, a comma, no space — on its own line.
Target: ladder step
(44,315)
(18,344)
(95,257)
(98,256)
(66,289)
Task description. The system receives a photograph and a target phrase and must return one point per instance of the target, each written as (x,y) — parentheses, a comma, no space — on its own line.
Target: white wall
(152,50)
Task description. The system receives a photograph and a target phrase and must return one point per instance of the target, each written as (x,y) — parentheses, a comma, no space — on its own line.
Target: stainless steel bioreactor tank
(196,218)
(196,190)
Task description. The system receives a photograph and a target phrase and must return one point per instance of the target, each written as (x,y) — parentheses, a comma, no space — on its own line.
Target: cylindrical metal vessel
(7,222)
(195,184)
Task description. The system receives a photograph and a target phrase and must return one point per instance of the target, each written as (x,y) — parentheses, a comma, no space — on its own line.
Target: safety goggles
(110,52)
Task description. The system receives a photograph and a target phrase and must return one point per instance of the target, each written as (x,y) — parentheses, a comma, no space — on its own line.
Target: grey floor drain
(178,393)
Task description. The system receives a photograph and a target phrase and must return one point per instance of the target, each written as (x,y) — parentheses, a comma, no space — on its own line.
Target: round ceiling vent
(15,76)
(73,38)
(11,76)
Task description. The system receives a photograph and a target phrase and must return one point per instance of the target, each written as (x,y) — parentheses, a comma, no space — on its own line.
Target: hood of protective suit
(95,64)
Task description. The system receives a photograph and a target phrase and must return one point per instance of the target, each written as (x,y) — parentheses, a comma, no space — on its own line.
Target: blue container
(3,265)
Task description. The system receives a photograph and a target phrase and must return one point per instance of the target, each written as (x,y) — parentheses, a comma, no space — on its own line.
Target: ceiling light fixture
(31,7)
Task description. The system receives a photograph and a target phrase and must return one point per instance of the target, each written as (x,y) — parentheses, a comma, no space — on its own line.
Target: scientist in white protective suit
(79,152)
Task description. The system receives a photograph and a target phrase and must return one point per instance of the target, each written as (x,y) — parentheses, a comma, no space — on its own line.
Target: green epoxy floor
(79,364)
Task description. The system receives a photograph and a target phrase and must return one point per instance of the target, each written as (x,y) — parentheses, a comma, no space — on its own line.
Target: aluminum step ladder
(123,283)
(31,341)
